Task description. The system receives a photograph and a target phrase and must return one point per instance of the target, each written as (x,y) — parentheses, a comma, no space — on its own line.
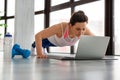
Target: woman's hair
(78,16)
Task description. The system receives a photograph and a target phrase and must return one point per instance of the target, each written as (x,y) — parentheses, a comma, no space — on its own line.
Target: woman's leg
(33,49)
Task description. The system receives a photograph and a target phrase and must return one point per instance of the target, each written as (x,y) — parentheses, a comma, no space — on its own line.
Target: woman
(62,34)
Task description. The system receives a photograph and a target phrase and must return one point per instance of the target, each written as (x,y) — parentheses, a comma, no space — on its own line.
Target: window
(117,26)
(1,29)
(10,24)
(56,2)
(39,23)
(2,35)
(11,8)
(1,7)
(39,5)
(76,0)
(61,16)
(1,22)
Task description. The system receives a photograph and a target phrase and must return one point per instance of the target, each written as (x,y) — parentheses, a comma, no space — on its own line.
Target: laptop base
(73,58)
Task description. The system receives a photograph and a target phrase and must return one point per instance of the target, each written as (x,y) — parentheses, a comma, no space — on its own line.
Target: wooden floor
(51,69)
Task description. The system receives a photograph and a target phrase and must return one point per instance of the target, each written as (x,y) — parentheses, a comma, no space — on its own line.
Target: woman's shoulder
(88,31)
(64,24)
(61,24)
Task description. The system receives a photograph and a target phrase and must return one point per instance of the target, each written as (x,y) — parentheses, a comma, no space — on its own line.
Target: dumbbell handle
(19,50)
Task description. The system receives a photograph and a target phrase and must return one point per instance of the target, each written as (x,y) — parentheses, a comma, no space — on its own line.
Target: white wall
(24,23)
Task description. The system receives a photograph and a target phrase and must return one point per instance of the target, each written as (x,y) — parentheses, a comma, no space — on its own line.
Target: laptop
(89,47)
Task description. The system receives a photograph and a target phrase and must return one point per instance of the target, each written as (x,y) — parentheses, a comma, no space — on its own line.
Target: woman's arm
(53,30)
(89,32)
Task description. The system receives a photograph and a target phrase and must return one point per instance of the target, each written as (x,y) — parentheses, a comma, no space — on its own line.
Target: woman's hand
(42,56)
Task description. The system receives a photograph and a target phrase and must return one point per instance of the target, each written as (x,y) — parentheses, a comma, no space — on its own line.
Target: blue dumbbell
(16,50)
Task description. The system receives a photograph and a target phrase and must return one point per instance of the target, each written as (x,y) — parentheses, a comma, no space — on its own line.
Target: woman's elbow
(37,36)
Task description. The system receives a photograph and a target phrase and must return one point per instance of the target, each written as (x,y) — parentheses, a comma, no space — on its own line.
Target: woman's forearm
(38,41)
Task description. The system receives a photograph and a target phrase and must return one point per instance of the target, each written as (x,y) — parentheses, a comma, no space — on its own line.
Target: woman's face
(79,28)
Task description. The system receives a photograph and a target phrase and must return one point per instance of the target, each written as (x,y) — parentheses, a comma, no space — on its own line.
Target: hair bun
(81,12)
